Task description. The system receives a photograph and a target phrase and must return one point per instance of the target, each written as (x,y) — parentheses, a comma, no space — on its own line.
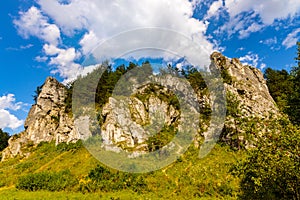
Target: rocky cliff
(248,101)
(46,121)
(247,98)
(248,85)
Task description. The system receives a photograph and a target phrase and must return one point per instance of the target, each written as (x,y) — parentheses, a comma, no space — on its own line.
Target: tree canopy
(285,89)
(3,139)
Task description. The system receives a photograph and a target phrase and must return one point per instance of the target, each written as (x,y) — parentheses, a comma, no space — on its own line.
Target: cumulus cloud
(7,120)
(102,20)
(268,10)
(64,60)
(291,39)
(252,28)
(262,66)
(33,23)
(89,42)
(251,59)
(214,8)
(244,14)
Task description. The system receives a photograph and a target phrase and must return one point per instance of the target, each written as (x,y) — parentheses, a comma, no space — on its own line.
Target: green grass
(187,178)
(47,157)
(13,194)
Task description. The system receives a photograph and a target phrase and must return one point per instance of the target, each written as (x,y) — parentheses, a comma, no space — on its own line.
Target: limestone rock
(249,90)
(129,122)
(46,120)
(248,85)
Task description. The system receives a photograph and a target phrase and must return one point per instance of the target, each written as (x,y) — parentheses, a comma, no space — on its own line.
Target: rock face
(46,121)
(248,100)
(127,124)
(248,85)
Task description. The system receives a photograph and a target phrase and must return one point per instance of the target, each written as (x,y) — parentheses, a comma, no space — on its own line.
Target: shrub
(272,170)
(51,181)
(61,147)
(103,179)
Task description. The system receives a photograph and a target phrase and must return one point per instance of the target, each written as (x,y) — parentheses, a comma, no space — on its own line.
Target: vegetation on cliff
(269,169)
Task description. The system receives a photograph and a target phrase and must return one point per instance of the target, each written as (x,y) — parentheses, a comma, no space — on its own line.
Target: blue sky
(52,37)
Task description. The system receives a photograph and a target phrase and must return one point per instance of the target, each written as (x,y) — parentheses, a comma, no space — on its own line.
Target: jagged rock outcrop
(46,121)
(248,85)
(248,98)
(128,124)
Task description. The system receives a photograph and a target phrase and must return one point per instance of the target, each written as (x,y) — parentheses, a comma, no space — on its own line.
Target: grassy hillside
(189,177)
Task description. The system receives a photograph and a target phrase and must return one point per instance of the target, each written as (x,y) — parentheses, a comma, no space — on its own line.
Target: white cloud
(262,66)
(8,102)
(292,39)
(105,19)
(244,14)
(33,23)
(251,59)
(8,120)
(102,20)
(252,28)
(89,42)
(268,10)
(269,42)
(64,60)
(41,58)
(214,8)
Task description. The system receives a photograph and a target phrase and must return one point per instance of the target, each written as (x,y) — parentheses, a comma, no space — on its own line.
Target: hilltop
(51,154)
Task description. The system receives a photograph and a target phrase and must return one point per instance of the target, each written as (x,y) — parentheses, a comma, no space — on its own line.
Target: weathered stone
(248,88)
(46,121)
(129,122)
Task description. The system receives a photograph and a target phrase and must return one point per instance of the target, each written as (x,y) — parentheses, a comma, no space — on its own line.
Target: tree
(280,85)
(272,170)
(284,87)
(4,137)
(294,99)
(37,93)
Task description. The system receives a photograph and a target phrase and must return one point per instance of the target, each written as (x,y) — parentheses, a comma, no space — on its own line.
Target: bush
(62,147)
(103,179)
(272,170)
(51,181)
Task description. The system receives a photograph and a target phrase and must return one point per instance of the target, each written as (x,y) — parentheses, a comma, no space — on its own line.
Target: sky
(40,38)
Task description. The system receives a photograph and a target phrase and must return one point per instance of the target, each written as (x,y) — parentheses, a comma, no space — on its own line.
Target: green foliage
(285,89)
(226,76)
(37,93)
(62,147)
(68,99)
(24,166)
(4,137)
(294,99)
(272,169)
(280,85)
(51,181)
(55,119)
(161,139)
(103,179)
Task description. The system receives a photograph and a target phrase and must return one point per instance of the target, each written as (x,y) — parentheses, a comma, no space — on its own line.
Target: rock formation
(48,121)
(248,100)
(248,85)
(128,123)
